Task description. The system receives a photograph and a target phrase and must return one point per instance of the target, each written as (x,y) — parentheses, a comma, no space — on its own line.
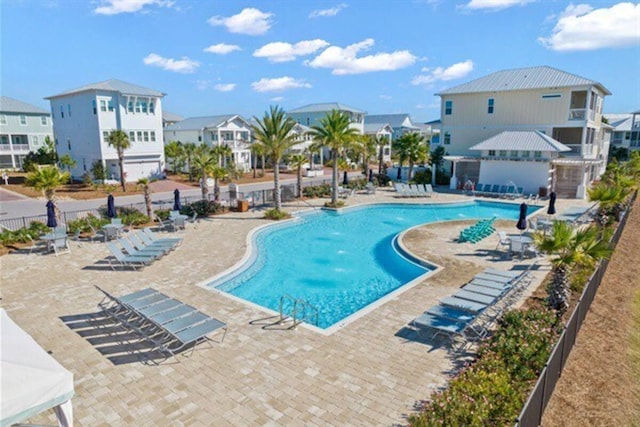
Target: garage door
(137,170)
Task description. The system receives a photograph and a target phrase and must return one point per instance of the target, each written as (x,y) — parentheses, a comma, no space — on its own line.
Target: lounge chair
(450,328)
(429,190)
(140,245)
(503,239)
(146,240)
(155,238)
(154,252)
(59,245)
(127,260)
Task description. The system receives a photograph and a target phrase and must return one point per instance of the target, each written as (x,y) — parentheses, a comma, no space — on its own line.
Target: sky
(382,56)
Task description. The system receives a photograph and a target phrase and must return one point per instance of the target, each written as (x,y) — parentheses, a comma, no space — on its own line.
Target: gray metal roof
(198,123)
(619,122)
(376,127)
(112,85)
(10,105)
(171,117)
(325,107)
(394,120)
(542,77)
(522,141)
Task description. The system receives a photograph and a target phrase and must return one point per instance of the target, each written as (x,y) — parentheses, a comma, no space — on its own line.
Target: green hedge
(24,234)
(493,389)
(323,190)
(84,224)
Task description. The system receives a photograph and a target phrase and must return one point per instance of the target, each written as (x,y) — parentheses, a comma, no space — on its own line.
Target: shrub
(276,214)
(98,170)
(423,176)
(162,214)
(356,183)
(337,205)
(382,179)
(84,224)
(87,179)
(313,191)
(203,207)
(24,234)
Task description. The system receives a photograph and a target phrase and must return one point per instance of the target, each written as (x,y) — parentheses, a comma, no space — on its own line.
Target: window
(3,119)
(524,154)
(110,105)
(23,120)
(34,140)
(502,153)
(69,109)
(144,106)
(105,136)
(43,120)
(132,136)
(69,143)
(551,95)
(153,136)
(103,105)
(537,154)
(448,108)
(490,104)
(199,138)
(447,138)
(62,111)
(4,139)
(137,106)
(492,153)
(152,108)
(130,106)
(146,136)
(514,153)
(139,136)
(93,105)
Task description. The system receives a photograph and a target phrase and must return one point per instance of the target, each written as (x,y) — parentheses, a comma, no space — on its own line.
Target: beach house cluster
(538,128)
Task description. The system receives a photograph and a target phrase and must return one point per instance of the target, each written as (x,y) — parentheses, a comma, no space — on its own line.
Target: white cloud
(386,97)
(278,84)
(581,27)
(333,11)
(249,21)
(283,52)
(346,61)
(225,87)
(455,71)
(114,7)
(183,65)
(222,48)
(495,4)
(277,99)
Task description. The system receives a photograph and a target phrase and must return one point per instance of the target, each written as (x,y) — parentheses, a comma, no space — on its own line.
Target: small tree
(188,151)
(98,171)
(412,148)
(47,180)
(204,161)
(436,159)
(298,161)
(119,140)
(68,162)
(143,184)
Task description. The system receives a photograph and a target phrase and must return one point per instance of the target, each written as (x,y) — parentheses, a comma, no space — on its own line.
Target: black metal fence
(533,409)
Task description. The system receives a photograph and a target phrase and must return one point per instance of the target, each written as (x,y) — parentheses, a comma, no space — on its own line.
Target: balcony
(15,148)
(577,114)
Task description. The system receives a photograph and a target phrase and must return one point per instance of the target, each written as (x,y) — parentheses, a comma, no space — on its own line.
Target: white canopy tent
(32,381)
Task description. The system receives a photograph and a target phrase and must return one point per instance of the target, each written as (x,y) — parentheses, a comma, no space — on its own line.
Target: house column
(581,191)
(453,184)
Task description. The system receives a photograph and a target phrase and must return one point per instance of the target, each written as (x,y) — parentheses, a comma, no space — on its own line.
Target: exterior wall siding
(529,175)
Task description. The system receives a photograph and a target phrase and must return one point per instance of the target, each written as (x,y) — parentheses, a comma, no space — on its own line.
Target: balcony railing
(14,147)
(577,114)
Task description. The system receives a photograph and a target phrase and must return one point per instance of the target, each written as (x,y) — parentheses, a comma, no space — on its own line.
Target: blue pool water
(341,262)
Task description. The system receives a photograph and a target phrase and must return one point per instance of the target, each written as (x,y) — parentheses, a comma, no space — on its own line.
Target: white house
(625,130)
(169,118)
(310,115)
(231,130)
(382,132)
(23,128)
(400,123)
(84,117)
(562,105)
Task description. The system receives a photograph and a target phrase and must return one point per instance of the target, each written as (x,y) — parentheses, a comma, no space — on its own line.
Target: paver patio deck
(370,372)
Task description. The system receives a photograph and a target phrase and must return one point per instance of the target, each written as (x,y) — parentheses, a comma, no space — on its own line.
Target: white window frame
(3,119)
(132,136)
(43,120)
(34,140)
(103,105)
(448,107)
(23,120)
(152,136)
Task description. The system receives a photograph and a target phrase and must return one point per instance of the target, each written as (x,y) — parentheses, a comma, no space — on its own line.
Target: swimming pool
(341,262)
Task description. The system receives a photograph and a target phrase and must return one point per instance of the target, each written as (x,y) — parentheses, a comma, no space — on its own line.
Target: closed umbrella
(345,179)
(552,204)
(176,200)
(111,207)
(522,219)
(370,175)
(51,215)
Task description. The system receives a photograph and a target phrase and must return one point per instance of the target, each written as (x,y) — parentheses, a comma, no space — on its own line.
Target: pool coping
(244,263)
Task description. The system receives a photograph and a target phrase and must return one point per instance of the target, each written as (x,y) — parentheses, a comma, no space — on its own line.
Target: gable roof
(376,127)
(171,117)
(620,122)
(11,105)
(394,120)
(542,77)
(199,123)
(325,107)
(521,140)
(112,85)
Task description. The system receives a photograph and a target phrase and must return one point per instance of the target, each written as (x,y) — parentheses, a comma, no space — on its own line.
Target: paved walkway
(370,372)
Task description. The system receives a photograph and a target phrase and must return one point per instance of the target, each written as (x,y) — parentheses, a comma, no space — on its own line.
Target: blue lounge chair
(128,260)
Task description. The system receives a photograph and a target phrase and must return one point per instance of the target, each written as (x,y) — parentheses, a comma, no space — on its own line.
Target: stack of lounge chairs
(168,324)
(413,190)
(477,231)
(471,312)
(496,190)
(141,248)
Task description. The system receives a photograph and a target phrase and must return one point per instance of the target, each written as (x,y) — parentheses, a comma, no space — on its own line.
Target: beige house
(564,106)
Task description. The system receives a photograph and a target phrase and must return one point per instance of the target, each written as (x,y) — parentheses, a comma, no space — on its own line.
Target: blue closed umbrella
(370,175)
(522,219)
(345,179)
(176,200)
(552,204)
(111,207)
(51,215)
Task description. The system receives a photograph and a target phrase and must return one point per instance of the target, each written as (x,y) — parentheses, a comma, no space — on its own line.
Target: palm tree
(188,151)
(610,198)
(274,133)
(335,133)
(570,249)
(380,141)
(413,149)
(257,149)
(68,162)
(119,140)
(174,151)
(217,173)
(47,180)
(223,152)
(364,147)
(298,161)
(143,184)
(205,161)
(399,153)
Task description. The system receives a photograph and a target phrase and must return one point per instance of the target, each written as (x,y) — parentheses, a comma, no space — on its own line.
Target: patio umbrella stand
(176,200)
(111,206)
(51,215)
